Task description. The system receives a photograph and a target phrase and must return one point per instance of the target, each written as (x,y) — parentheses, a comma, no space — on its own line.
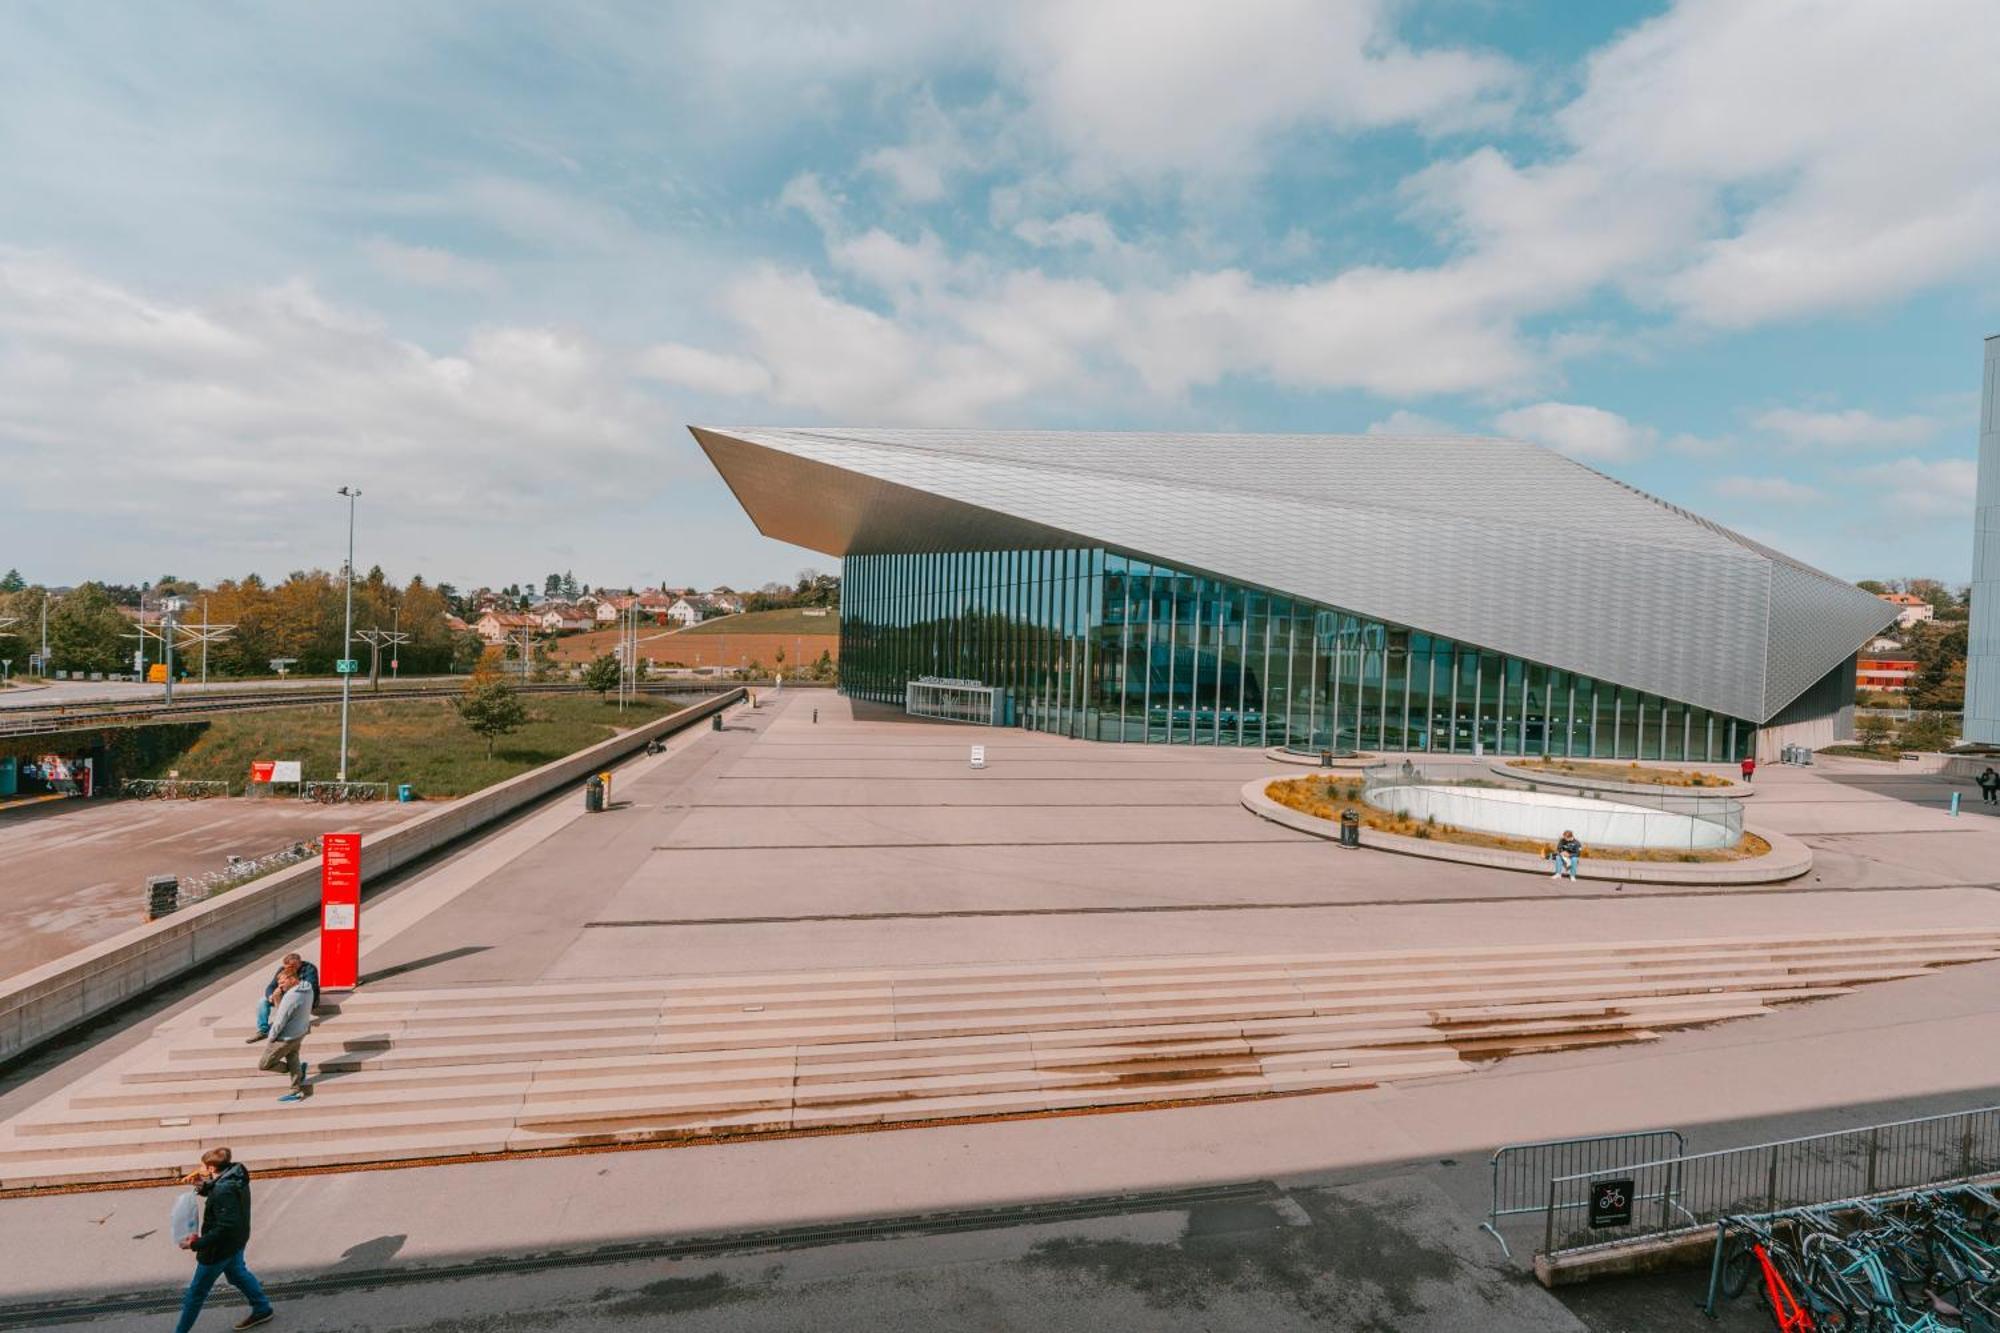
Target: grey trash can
(1350,828)
(715,722)
(593,794)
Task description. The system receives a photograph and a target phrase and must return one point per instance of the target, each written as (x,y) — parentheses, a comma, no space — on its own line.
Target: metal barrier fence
(1698,1190)
(172,789)
(1521,1171)
(339,793)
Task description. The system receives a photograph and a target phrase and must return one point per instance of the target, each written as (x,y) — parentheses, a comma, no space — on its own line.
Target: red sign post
(340,911)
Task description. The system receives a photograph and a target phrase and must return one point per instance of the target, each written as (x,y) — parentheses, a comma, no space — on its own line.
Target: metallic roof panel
(1497,543)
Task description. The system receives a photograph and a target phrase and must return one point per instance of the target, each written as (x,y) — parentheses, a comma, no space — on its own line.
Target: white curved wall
(1537,814)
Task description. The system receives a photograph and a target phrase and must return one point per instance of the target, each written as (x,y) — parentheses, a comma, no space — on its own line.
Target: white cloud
(807,193)
(1578,430)
(427,266)
(704,371)
(1143,88)
(1850,428)
(1767,490)
(1922,488)
(238,416)
(1402,422)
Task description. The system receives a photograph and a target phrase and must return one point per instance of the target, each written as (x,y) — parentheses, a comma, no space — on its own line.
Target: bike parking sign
(1611,1203)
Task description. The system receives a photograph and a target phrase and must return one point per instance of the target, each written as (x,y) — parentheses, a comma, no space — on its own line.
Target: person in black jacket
(1989,786)
(224,1185)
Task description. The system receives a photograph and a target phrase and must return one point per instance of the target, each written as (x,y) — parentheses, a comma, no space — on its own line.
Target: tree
(86,632)
(552,585)
(570,591)
(1875,586)
(1929,731)
(1872,730)
(491,708)
(13,582)
(603,674)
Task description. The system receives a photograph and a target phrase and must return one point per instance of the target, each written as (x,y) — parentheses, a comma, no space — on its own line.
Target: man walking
(1749,768)
(307,973)
(224,1185)
(289,1024)
(1989,786)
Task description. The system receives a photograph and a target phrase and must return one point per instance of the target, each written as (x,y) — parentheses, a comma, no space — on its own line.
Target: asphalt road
(1393,1255)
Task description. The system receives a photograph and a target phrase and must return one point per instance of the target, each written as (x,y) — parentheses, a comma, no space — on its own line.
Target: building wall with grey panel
(1982,667)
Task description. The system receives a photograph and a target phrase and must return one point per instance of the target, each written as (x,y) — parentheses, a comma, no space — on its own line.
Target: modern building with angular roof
(1441,594)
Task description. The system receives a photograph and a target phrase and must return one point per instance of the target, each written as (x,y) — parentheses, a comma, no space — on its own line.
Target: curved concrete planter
(1352,762)
(1789,858)
(1735,791)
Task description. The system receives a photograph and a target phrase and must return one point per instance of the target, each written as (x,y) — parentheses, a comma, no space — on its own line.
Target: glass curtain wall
(1101,646)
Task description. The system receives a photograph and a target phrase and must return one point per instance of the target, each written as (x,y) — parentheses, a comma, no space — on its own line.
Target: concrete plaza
(865,840)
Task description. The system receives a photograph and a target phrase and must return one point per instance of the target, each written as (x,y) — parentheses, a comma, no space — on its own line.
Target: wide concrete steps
(470,1071)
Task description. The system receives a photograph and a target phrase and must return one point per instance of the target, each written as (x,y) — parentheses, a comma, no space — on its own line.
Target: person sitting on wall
(1568,849)
(307,973)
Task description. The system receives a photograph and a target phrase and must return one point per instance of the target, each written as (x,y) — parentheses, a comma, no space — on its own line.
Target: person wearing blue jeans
(224,1185)
(307,973)
(1568,848)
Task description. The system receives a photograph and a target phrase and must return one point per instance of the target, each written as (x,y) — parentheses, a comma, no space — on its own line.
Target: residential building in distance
(685,611)
(500,626)
(1879,671)
(1310,592)
(1910,609)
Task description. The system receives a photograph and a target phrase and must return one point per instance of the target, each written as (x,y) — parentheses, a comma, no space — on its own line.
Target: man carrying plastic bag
(218,1246)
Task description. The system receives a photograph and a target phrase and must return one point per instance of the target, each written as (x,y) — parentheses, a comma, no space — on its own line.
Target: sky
(487,261)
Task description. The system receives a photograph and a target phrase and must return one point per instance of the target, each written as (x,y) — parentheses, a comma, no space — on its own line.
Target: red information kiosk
(340,911)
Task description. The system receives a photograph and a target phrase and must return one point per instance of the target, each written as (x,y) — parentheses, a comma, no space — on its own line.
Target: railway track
(84,716)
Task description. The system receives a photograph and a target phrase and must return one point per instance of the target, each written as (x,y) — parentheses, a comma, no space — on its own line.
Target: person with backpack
(1989,786)
(224,1185)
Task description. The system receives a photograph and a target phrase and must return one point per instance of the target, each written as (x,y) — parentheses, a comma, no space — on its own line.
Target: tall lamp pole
(352,493)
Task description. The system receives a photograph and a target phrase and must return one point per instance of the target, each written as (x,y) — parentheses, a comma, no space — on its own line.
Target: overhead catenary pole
(352,493)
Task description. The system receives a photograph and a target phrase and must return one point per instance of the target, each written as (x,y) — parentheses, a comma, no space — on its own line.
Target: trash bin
(715,722)
(593,794)
(405,792)
(1350,828)
(1326,759)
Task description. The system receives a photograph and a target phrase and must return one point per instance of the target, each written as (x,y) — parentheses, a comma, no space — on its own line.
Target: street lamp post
(352,493)
(169,609)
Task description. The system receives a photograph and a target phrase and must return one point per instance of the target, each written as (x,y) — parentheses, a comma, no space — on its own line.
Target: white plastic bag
(186,1219)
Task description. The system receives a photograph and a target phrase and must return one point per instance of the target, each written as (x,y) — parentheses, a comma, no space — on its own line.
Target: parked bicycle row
(1919,1263)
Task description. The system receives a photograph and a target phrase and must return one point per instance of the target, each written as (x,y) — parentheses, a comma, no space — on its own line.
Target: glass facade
(1100,646)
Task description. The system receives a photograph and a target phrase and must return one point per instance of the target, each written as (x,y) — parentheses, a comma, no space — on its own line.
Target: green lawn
(416,741)
(794,620)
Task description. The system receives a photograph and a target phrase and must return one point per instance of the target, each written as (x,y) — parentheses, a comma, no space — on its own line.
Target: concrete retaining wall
(47,1001)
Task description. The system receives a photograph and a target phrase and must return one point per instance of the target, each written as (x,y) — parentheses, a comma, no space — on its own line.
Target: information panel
(340,911)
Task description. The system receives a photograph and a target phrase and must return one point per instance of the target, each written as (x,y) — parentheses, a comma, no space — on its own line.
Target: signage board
(347,666)
(340,911)
(1611,1202)
(261,770)
(286,770)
